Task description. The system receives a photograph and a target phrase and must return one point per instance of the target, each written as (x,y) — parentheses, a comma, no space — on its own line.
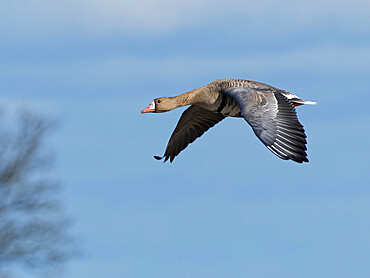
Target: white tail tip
(310,102)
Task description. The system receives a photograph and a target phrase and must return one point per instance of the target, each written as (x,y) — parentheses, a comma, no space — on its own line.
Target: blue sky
(226,207)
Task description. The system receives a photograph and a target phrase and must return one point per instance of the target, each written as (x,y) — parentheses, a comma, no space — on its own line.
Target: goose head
(160,105)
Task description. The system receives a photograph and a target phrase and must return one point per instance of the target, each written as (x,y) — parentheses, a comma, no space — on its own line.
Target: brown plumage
(269,111)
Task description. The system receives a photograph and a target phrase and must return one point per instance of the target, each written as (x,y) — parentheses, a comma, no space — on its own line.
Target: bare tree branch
(33,230)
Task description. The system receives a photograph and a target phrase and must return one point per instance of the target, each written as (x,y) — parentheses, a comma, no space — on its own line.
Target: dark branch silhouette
(34,233)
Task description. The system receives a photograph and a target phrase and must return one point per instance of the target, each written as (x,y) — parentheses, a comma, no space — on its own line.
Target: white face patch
(152,105)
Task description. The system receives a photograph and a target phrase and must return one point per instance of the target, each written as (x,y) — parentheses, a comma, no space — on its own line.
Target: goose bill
(150,108)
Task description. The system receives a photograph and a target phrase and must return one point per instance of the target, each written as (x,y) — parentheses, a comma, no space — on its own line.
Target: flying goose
(268,110)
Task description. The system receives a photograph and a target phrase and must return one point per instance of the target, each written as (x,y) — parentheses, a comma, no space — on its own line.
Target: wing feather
(193,123)
(273,119)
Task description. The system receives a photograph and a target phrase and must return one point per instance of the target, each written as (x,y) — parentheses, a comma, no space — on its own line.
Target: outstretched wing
(274,121)
(193,123)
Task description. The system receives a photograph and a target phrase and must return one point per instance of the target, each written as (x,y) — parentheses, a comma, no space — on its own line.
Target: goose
(268,110)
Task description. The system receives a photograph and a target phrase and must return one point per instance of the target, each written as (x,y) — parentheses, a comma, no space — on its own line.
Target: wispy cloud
(322,59)
(129,75)
(38,17)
